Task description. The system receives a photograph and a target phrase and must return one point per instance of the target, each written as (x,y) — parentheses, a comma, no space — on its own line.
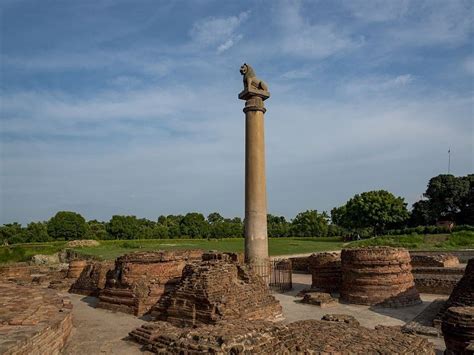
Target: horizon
(130,108)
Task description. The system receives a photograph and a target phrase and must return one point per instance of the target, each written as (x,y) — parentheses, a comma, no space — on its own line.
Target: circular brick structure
(33,320)
(325,271)
(378,276)
(458,330)
(75,268)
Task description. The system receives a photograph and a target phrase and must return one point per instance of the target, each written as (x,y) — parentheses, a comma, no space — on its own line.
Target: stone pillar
(256,240)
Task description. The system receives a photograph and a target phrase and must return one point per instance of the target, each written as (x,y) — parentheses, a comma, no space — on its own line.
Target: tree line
(370,213)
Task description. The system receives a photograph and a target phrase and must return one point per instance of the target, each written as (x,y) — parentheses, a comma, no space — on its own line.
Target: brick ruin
(263,337)
(325,269)
(218,288)
(458,330)
(92,279)
(33,320)
(437,280)
(438,260)
(140,279)
(462,295)
(378,276)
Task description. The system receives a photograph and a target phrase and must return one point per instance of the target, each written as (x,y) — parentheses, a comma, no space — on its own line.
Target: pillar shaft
(256,241)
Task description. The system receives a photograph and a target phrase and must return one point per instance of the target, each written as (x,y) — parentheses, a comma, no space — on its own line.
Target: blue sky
(130,107)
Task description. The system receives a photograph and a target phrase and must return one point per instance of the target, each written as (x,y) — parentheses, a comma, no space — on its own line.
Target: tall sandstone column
(256,240)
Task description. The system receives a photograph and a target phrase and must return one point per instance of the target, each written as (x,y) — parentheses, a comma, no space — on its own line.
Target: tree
(97,230)
(67,225)
(215,218)
(277,226)
(123,227)
(446,194)
(37,232)
(11,233)
(466,214)
(309,224)
(421,214)
(376,209)
(194,225)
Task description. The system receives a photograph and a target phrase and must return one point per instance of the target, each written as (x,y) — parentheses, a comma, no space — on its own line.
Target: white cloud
(376,84)
(301,38)
(218,31)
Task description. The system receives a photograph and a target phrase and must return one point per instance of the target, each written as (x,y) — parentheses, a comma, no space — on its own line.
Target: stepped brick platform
(458,330)
(440,260)
(320,299)
(325,269)
(74,271)
(462,295)
(378,276)
(92,279)
(140,279)
(218,288)
(75,268)
(263,337)
(437,280)
(33,320)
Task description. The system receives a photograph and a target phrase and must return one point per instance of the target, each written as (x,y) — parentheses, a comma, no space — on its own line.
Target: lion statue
(250,79)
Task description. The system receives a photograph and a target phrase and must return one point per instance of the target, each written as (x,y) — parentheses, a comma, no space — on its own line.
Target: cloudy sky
(130,107)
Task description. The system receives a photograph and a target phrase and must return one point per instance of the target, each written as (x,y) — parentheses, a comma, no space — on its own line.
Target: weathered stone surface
(41,259)
(458,330)
(439,260)
(325,269)
(342,318)
(320,299)
(140,279)
(92,279)
(218,288)
(378,276)
(261,337)
(462,295)
(33,320)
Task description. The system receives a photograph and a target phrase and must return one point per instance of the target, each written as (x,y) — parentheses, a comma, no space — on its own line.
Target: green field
(110,249)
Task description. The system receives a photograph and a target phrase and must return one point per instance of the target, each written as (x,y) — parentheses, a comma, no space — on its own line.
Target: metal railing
(277,274)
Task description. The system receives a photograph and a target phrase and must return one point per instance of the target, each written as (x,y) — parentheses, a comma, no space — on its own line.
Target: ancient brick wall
(325,269)
(217,288)
(458,330)
(140,279)
(92,279)
(34,320)
(300,264)
(378,276)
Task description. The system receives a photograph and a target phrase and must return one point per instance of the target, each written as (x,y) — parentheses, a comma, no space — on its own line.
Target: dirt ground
(98,331)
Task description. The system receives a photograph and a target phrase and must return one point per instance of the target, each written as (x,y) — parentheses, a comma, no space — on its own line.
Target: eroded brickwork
(92,279)
(33,320)
(140,279)
(378,276)
(458,330)
(325,269)
(440,260)
(217,288)
(262,337)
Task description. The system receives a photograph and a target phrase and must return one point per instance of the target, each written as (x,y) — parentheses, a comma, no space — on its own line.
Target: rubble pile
(140,279)
(320,299)
(325,269)
(218,288)
(378,276)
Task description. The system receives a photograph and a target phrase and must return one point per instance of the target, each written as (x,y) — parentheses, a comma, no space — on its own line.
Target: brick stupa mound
(462,295)
(33,320)
(458,330)
(378,276)
(92,279)
(263,337)
(218,288)
(325,269)
(140,279)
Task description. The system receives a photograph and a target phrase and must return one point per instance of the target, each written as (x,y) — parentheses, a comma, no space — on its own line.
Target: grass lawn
(456,240)
(110,249)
